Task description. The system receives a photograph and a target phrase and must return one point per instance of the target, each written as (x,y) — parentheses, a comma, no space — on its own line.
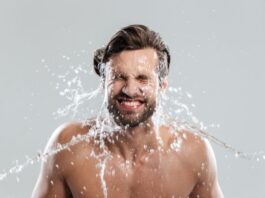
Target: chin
(132,121)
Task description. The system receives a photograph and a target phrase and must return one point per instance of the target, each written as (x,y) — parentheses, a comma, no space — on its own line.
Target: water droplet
(52,183)
(236,154)
(113,172)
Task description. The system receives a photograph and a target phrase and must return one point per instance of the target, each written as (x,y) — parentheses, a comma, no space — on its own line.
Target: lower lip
(129,107)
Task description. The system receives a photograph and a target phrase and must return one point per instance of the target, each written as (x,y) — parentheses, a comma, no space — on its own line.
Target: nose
(131,88)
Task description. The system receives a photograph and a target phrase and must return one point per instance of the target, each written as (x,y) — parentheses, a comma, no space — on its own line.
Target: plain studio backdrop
(218,55)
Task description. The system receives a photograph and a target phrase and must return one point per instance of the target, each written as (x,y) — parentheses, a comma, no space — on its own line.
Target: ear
(163,84)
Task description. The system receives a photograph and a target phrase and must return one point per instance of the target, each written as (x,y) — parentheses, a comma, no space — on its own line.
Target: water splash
(171,110)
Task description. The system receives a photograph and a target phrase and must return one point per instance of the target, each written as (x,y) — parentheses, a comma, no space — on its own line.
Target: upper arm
(51,180)
(49,185)
(207,185)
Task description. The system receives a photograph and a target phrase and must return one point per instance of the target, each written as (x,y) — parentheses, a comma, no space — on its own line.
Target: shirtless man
(134,66)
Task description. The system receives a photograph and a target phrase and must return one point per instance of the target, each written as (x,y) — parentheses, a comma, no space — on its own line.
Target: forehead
(141,60)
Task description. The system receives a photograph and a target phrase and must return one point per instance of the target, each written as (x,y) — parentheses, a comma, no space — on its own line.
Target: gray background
(218,55)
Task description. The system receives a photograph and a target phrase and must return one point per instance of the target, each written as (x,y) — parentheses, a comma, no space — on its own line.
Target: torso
(165,173)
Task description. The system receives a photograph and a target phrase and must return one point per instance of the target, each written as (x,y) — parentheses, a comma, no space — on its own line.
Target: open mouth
(130,104)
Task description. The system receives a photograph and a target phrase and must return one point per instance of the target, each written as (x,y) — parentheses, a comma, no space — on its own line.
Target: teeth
(130,103)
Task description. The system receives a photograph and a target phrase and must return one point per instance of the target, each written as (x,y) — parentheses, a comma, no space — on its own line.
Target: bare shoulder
(194,144)
(59,144)
(197,151)
(59,156)
(65,132)
(67,140)
(192,148)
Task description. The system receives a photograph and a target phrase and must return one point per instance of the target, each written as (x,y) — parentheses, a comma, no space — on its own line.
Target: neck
(134,142)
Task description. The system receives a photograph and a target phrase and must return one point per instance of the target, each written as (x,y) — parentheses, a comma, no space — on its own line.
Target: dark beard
(130,119)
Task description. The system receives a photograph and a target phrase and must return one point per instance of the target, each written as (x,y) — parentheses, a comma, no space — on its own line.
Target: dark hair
(133,37)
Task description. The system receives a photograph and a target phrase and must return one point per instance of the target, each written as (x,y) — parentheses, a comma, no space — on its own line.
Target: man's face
(132,85)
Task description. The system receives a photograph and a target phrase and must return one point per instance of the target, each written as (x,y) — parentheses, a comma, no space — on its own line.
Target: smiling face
(132,86)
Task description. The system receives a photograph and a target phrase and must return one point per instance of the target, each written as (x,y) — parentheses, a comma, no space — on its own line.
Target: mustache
(123,96)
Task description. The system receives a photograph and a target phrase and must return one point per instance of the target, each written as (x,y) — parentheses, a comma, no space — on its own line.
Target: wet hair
(133,37)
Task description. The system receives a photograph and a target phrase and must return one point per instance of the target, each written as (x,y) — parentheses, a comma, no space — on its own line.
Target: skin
(137,166)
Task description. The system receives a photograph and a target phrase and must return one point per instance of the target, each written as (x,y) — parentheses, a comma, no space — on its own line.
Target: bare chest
(153,176)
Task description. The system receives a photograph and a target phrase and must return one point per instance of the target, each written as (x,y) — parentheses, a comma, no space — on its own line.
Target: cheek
(149,92)
(114,88)
(150,89)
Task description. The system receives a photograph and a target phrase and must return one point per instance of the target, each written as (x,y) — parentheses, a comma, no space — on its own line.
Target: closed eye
(142,78)
(119,77)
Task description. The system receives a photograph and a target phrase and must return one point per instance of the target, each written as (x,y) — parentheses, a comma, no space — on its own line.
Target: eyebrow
(142,76)
(122,74)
